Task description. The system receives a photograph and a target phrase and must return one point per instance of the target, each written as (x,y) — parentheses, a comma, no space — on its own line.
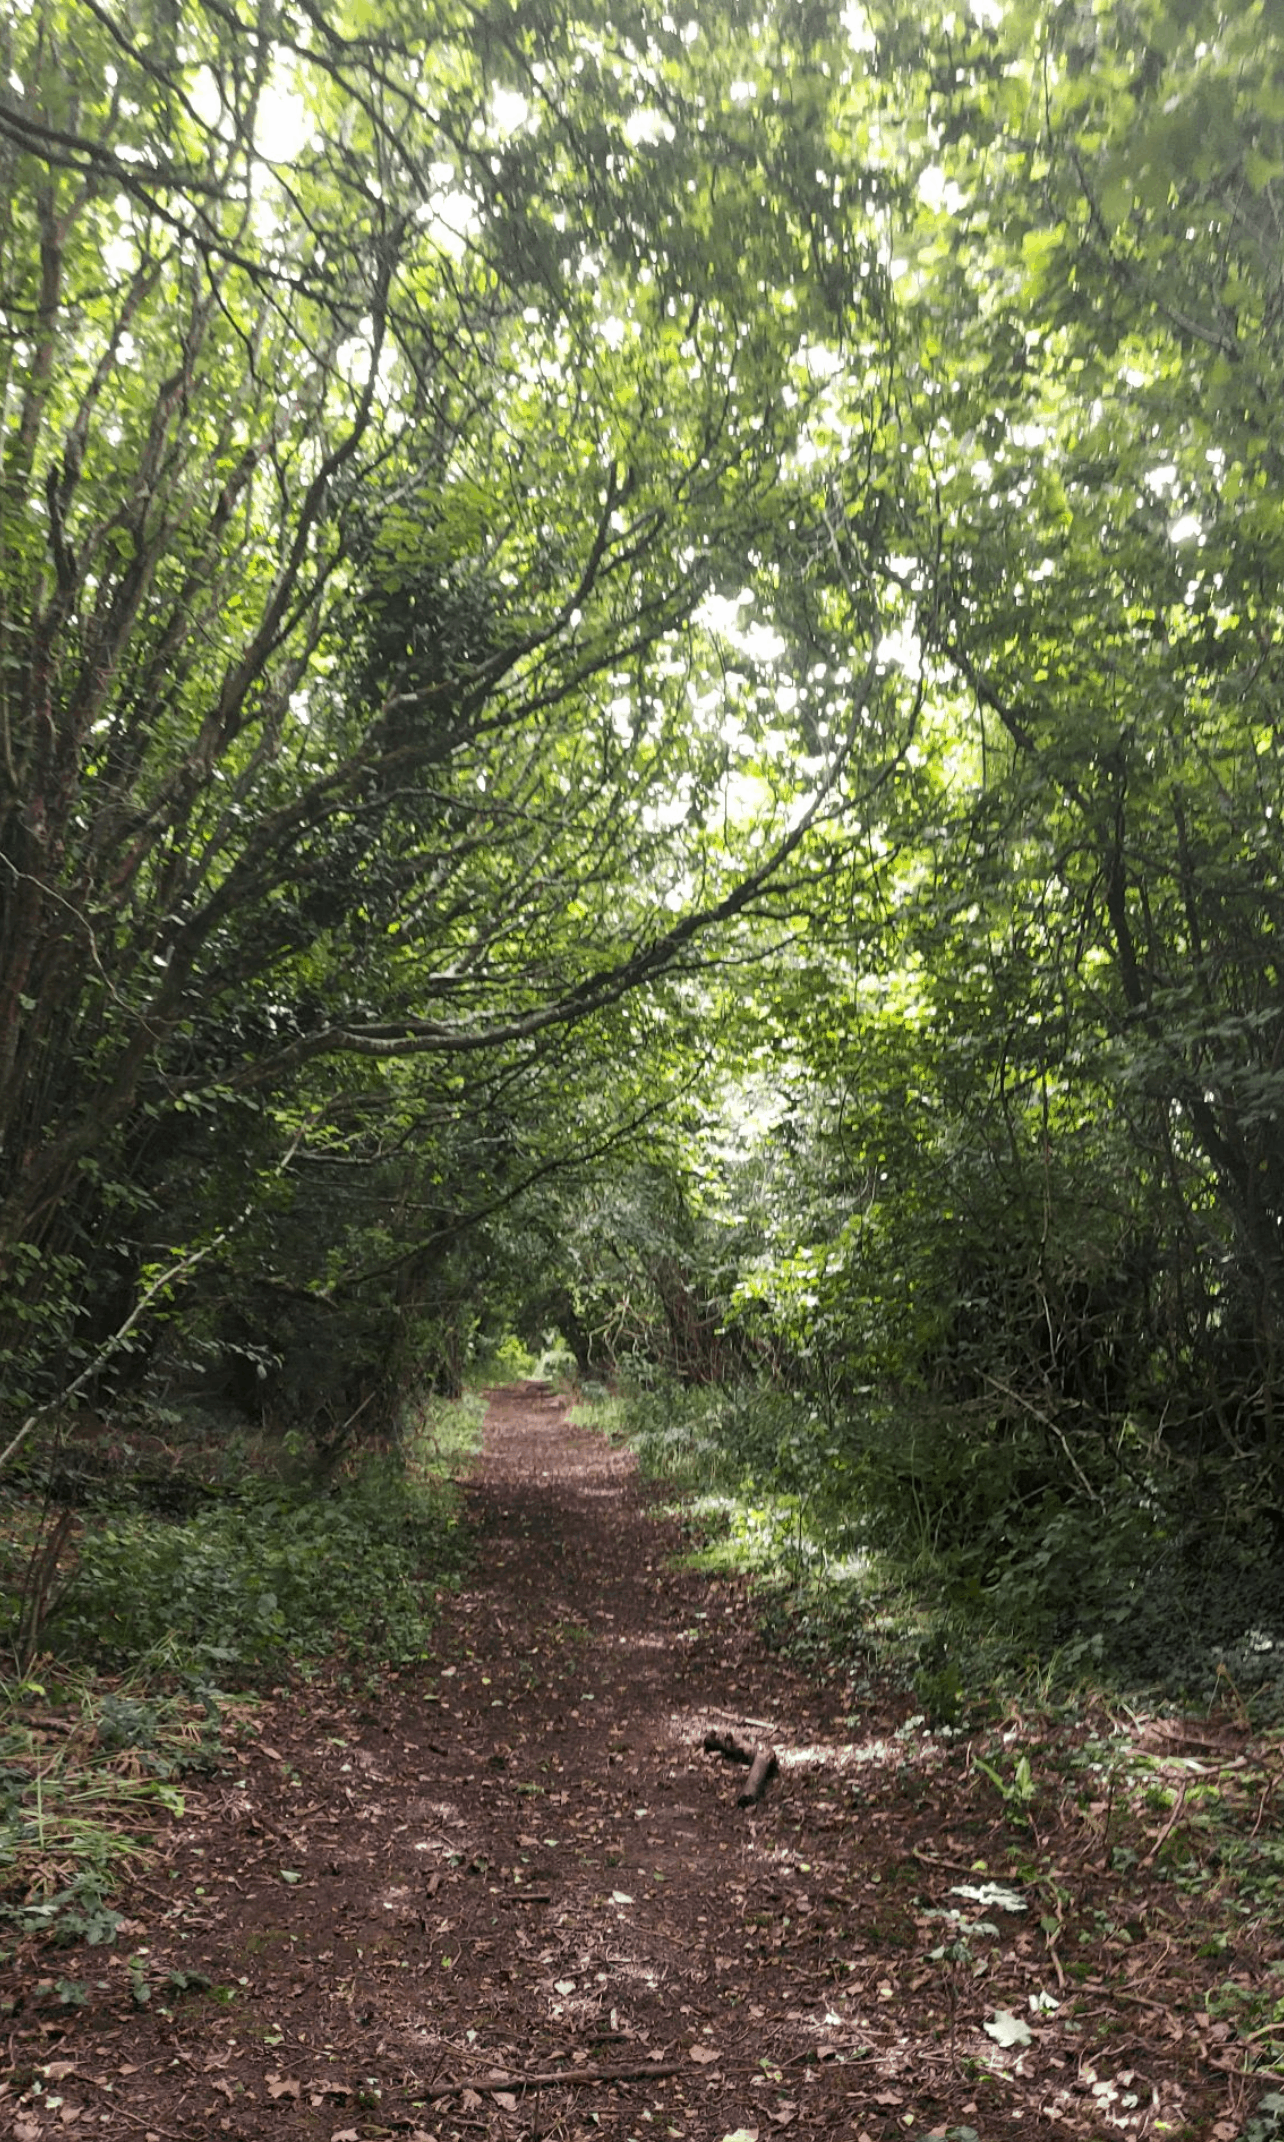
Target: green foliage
(239,1585)
(918,1552)
(75,1799)
(1267,2123)
(265,1575)
(715,1436)
(78,1914)
(555,1362)
(508,1362)
(356,543)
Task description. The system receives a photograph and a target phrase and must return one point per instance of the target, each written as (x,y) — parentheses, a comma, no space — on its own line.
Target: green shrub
(716,1436)
(556,1362)
(509,1362)
(265,1574)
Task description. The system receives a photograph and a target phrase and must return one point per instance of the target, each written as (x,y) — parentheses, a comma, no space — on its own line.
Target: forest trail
(519,1860)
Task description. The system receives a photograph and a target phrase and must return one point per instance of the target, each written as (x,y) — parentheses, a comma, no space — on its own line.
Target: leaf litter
(509,1892)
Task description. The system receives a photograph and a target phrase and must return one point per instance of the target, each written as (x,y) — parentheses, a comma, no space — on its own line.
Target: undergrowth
(87,1769)
(267,1575)
(270,1569)
(841,1523)
(157,1617)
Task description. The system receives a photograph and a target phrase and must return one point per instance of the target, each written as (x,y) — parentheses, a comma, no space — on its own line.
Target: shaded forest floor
(519,1862)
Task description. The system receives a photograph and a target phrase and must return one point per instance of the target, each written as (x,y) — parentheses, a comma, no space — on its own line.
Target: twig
(556,2078)
(1263,1803)
(174,1897)
(948,1866)
(1050,1943)
(442,2058)
(152,2126)
(1168,1827)
(765,1725)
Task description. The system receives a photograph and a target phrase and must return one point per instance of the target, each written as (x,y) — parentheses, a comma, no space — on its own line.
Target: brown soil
(521,1861)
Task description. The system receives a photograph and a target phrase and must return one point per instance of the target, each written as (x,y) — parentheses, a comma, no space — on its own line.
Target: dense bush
(902,1532)
(262,1576)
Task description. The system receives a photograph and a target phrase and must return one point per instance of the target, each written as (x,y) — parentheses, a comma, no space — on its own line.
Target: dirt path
(523,1861)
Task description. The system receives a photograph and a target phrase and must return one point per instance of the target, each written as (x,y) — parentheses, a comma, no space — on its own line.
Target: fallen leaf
(70,2114)
(742,2134)
(55,2070)
(1008,2029)
(289,1874)
(703,2054)
(618,1896)
(563,1985)
(281,2086)
(345,2134)
(504,2098)
(469,2100)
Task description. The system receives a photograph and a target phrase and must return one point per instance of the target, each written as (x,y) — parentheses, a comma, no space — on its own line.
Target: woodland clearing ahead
(511,1893)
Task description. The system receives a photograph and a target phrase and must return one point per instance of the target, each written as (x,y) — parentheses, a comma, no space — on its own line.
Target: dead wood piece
(554,2078)
(762,1770)
(736,1751)
(762,1760)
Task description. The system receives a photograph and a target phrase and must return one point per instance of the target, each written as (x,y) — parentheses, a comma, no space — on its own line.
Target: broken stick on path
(762,1760)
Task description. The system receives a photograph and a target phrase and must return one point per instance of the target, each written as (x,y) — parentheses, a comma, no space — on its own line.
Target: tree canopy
(387,399)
